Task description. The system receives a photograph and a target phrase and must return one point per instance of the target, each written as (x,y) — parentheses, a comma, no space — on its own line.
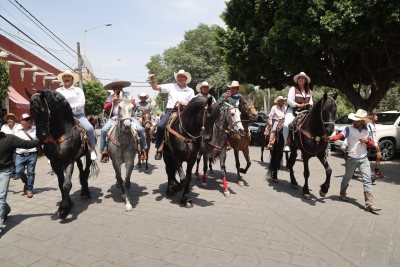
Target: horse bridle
(322,119)
(231,128)
(48,139)
(202,126)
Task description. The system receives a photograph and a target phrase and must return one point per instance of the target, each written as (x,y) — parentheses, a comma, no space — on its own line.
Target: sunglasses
(27,119)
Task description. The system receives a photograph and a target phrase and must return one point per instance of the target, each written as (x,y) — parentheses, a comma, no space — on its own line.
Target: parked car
(256,127)
(340,124)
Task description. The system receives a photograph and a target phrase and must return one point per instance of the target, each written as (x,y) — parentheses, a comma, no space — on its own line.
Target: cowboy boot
(369,202)
(271,141)
(343,194)
(158,155)
(104,156)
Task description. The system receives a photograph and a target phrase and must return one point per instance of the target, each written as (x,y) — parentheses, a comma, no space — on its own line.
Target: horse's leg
(306,191)
(246,154)
(170,170)
(120,183)
(262,151)
(204,178)
(198,158)
(210,161)
(148,141)
(186,200)
(177,187)
(66,203)
(290,163)
(222,158)
(325,186)
(239,179)
(127,185)
(83,177)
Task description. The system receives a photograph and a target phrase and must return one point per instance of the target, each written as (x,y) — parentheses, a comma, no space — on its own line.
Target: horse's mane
(194,104)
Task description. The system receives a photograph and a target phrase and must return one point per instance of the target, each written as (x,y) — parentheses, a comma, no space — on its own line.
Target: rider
(142,106)
(299,99)
(232,95)
(113,101)
(177,92)
(204,89)
(276,115)
(76,98)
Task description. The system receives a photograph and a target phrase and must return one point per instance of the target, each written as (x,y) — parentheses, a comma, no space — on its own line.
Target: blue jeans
(88,128)
(108,126)
(289,117)
(161,126)
(364,166)
(5,175)
(30,162)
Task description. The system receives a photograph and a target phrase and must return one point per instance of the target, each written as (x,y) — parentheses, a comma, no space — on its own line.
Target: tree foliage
(95,97)
(348,44)
(4,79)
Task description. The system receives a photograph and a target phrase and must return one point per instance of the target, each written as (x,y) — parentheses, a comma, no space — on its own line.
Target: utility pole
(78,49)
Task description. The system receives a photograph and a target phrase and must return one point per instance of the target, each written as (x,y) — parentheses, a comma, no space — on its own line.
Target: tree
(4,79)
(348,44)
(95,97)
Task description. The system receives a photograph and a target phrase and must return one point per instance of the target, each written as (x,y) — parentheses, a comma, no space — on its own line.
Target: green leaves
(95,97)
(4,79)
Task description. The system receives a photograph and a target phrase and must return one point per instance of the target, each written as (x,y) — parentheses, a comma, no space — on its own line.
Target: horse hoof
(188,205)
(197,178)
(322,194)
(307,196)
(274,180)
(243,171)
(204,184)
(227,194)
(123,197)
(128,208)
(211,171)
(294,186)
(240,183)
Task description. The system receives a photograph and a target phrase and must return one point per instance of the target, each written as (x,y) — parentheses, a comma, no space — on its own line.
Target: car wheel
(387,149)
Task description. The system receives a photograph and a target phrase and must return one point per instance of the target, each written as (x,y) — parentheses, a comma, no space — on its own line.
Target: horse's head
(247,107)
(328,114)
(125,113)
(211,114)
(146,120)
(232,118)
(40,114)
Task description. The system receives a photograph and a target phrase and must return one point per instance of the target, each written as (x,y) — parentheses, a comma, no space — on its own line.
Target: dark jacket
(8,143)
(233,99)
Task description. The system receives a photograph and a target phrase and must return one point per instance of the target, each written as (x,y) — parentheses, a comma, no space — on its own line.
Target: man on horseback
(178,93)
(276,115)
(299,99)
(112,104)
(76,99)
(204,90)
(142,106)
(232,95)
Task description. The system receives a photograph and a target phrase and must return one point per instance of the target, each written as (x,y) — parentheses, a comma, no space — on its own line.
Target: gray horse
(122,147)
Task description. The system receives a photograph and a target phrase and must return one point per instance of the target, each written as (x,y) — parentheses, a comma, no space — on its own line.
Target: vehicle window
(387,118)
(261,117)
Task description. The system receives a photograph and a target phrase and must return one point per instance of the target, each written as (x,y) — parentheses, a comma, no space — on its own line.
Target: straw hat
(11,115)
(236,84)
(74,75)
(116,82)
(143,94)
(360,115)
(279,98)
(301,74)
(187,74)
(199,85)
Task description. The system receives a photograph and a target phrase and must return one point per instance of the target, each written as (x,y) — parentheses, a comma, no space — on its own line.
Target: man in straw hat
(142,106)
(204,90)
(276,115)
(76,98)
(12,126)
(112,103)
(232,95)
(358,138)
(177,92)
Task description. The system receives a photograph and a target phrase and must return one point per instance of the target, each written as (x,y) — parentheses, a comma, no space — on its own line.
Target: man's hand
(327,139)
(152,77)
(363,140)
(228,94)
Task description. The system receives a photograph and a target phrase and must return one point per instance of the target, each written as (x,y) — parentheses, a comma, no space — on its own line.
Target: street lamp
(84,58)
(107,62)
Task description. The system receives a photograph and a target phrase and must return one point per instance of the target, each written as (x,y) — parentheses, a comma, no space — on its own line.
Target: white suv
(388,133)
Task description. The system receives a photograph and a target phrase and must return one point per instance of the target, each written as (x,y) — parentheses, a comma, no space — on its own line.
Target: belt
(27,153)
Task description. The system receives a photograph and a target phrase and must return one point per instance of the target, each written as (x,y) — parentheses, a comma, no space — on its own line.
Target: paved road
(261,224)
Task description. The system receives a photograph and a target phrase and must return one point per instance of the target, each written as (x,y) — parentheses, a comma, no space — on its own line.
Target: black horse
(182,142)
(64,143)
(309,138)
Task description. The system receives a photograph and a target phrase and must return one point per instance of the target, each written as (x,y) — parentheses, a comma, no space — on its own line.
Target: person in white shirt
(372,127)
(276,115)
(12,125)
(299,99)
(204,90)
(76,98)
(178,93)
(26,157)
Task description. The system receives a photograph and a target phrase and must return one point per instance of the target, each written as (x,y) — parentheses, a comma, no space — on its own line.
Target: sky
(140,29)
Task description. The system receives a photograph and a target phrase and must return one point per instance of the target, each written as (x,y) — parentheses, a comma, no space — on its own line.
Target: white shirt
(213,99)
(175,93)
(75,97)
(6,129)
(277,113)
(292,96)
(356,149)
(20,133)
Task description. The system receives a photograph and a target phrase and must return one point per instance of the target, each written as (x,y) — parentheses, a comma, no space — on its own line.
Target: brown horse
(147,126)
(240,142)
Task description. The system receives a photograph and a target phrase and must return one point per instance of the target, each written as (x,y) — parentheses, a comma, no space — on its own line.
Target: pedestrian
(299,99)
(76,98)
(378,156)
(276,115)
(358,139)
(11,127)
(232,96)
(93,122)
(178,94)
(112,104)
(8,143)
(26,157)
(142,106)
(204,90)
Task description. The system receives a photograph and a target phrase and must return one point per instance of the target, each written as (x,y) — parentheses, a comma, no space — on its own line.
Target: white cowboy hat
(74,75)
(143,94)
(301,74)
(116,82)
(360,115)
(279,98)
(236,84)
(187,74)
(199,85)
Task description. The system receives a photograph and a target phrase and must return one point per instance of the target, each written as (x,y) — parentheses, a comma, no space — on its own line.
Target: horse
(182,139)
(227,124)
(264,140)
(241,141)
(309,138)
(147,126)
(64,143)
(122,147)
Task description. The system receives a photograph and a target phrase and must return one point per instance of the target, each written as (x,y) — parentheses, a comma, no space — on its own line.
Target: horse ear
(251,94)
(209,101)
(334,96)
(28,94)
(325,96)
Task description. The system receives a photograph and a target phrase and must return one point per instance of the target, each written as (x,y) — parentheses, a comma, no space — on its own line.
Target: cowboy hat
(116,82)
(187,74)
(236,84)
(301,74)
(199,85)
(74,75)
(11,115)
(279,98)
(360,115)
(143,94)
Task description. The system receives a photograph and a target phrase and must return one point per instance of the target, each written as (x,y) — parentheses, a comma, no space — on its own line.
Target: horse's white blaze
(235,113)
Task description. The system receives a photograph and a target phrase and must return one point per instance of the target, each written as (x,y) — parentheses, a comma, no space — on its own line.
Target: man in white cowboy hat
(177,92)
(76,98)
(358,139)
(276,115)
(232,95)
(299,99)
(112,103)
(142,106)
(204,90)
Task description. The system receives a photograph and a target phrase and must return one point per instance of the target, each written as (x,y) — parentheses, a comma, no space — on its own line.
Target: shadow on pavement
(135,193)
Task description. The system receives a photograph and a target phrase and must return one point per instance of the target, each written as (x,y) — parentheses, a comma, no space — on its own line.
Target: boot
(343,194)
(104,156)
(271,141)
(158,155)
(369,202)
(143,154)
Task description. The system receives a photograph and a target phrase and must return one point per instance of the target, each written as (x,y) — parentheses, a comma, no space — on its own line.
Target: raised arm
(153,82)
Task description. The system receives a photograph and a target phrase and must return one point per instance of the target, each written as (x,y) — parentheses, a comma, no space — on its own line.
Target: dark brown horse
(147,126)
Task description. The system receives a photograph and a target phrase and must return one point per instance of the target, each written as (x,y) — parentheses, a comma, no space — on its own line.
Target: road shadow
(135,193)
(142,169)
(14,220)
(214,182)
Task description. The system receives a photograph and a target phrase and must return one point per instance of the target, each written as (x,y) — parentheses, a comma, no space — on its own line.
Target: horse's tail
(94,169)
(276,155)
